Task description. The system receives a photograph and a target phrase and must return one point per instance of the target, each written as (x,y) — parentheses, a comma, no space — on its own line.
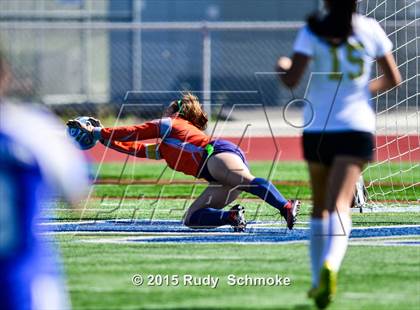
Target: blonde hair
(189,108)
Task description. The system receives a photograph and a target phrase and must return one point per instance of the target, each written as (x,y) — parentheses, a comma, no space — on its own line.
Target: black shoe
(237,217)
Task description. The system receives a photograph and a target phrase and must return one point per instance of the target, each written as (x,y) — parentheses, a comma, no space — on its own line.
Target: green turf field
(99,274)
(390,181)
(120,196)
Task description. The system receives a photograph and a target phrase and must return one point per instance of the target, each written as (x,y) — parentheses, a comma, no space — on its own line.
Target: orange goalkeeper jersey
(178,142)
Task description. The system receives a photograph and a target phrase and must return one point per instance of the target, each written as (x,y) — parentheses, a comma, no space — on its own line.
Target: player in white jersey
(340,122)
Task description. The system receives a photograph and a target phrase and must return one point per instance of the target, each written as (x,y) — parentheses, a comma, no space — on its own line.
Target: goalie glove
(82,130)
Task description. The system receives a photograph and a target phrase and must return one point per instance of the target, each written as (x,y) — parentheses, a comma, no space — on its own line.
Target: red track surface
(405,148)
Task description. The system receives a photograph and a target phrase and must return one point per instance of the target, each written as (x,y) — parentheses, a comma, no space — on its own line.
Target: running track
(396,148)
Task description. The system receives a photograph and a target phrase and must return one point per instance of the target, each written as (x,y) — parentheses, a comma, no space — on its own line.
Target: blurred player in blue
(37,163)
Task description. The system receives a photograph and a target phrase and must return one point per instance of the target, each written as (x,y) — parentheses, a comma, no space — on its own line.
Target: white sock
(338,238)
(318,238)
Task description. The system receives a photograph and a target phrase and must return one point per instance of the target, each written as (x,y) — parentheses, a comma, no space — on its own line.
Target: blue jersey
(29,178)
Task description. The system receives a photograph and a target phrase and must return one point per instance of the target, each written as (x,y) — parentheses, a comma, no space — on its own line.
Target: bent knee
(187,222)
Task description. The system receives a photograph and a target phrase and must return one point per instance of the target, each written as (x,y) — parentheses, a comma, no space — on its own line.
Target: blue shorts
(220,146)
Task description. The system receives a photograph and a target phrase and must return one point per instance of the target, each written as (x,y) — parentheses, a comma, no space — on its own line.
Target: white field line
(411,208)
(121,241)
(378,243)
(373,241)
(258,224)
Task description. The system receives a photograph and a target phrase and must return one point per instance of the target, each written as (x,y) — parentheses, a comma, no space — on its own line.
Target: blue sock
(208,218)
(268,192)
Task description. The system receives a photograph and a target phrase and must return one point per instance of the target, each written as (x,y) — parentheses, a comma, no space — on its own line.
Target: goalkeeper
(186,148)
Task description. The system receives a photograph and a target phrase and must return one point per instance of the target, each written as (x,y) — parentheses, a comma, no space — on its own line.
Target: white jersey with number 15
(338,88)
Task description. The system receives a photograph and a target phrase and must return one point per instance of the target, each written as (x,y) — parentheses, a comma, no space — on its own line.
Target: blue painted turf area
(175,232)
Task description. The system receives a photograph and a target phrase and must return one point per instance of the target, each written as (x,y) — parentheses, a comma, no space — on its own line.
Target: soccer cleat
(237,217)
(327,288)
(290,212)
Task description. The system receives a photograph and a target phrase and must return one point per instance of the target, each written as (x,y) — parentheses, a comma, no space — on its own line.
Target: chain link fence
(88,66)
(94,67)
(68,65)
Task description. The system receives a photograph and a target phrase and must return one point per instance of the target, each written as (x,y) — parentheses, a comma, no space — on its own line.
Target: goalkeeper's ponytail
(190,109)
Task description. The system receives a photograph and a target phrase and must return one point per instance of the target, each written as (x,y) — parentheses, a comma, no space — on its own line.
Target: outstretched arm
(138,149)
(144,131)
(122,138)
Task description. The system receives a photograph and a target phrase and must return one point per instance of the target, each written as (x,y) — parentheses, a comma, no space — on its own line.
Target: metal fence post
(84,51)
(207,71)
(137,61)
